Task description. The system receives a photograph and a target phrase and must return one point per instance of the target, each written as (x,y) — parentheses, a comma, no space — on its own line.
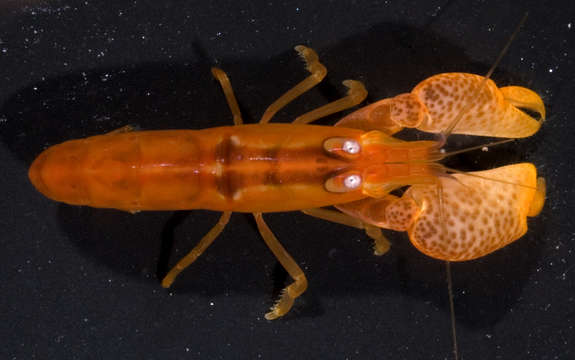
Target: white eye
(345,148)
(343,183)
(352,181)
(351,146)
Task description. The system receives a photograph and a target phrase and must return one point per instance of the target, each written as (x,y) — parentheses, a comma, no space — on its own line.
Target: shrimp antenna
(445,168)
(437,156)
(451,307)
(447,132)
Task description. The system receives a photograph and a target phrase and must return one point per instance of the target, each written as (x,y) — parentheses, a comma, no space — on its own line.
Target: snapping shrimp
(353,167)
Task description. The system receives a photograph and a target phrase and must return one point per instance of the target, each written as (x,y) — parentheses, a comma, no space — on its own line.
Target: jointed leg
(356,93)
(204,243)
(381,244)
(317,73)
(226,85)
(295,289)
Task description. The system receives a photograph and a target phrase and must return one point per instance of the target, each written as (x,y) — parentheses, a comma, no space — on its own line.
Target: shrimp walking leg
(198,250)
(317,73)
(226,85)
(356,93)
(381,244)
(295,289)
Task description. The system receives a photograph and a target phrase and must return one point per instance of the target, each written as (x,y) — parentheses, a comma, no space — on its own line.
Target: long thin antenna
(451,308)
(445,168)
(476,147)
(448,270)
(511,38)
(438,155)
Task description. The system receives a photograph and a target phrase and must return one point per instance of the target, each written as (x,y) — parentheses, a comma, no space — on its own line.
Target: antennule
(448,169)
(441,156)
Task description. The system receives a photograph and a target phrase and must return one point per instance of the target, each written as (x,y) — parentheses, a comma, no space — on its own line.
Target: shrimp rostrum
(343,173)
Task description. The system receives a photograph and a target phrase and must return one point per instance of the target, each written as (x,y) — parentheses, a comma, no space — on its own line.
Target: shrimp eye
(346,182)
(343,147)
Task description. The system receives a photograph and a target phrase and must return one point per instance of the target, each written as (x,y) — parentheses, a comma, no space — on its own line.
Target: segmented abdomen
(129,171)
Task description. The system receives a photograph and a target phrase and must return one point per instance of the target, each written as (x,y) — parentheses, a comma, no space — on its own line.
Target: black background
(81,283)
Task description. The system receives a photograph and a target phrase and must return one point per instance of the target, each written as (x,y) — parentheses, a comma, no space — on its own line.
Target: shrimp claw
(437,102)
(479,213)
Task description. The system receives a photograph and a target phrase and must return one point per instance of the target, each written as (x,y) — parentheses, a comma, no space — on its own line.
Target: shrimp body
(354,166)
(247,168)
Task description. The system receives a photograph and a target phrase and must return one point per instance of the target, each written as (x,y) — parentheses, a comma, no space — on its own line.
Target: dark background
(81,283)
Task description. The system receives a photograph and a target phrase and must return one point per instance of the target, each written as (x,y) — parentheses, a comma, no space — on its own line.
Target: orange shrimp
(353,166)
